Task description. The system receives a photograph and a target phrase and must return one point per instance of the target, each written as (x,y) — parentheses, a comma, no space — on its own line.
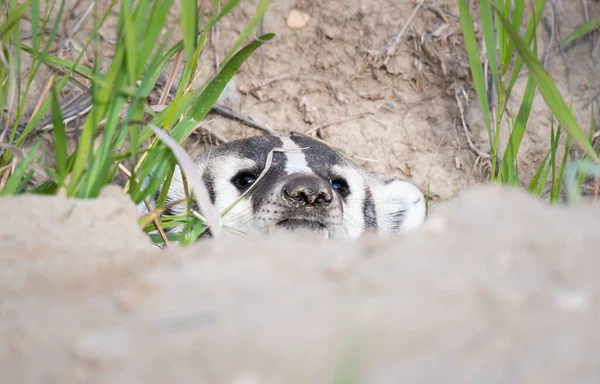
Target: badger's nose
(307,191)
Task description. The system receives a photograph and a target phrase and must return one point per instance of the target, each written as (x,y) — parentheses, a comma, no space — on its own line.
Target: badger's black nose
(308,191)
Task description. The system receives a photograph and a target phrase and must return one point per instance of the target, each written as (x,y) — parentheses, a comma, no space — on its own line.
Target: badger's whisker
(239,220)
(352,220)
(346,231)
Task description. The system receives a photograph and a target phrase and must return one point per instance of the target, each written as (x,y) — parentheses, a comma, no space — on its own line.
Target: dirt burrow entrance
(391,105)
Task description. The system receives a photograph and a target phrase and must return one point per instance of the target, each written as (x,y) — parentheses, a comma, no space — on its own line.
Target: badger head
(309,186)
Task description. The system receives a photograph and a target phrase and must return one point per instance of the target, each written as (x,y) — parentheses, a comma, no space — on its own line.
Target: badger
(309,186)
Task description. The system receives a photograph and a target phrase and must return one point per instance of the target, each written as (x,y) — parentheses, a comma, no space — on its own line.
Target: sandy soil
(482,293)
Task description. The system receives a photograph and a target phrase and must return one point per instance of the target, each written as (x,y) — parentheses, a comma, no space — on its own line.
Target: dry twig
(170,79)
(478,152)
(323,126)
(154,217)
(391,49)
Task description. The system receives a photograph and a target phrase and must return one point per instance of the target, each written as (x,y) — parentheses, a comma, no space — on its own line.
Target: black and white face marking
(310,186)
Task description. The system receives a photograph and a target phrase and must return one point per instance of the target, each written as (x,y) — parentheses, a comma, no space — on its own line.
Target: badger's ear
(400,206)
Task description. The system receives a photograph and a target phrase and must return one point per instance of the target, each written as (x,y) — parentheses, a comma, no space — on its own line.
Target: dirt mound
(497,287)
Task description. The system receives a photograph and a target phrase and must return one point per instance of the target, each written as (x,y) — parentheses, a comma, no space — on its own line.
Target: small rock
(297,19)
(309,110)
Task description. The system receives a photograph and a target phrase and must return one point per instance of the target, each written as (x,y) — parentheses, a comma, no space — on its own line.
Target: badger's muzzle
(305,190)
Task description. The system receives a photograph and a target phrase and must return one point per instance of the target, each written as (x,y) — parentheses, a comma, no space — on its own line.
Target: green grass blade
(63,63)
(581,177)
(592,25)
(141,22)
(260,12)
(549,91)
(23,184)
(533,185)
(49,41)
(558,183)
(14,181)
(46,188)
(162,197)
(60,137)
(189,72)
(540,186)
(18,59)
(197,227)
(213,90)
(501,36)
(475,63)
(130,40)
(592,122)
(158,17)
(156,172)
(347,370)
(4,79)
(554,141)
(487,24)
(530,35)
(102,157)
(35,16)
(189,25)
(507,169)
(13,19)
(231,4)
(517,19)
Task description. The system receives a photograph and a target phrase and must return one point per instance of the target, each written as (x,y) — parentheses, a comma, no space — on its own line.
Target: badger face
(309,186)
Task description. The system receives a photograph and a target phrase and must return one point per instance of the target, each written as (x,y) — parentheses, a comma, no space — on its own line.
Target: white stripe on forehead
(296,161)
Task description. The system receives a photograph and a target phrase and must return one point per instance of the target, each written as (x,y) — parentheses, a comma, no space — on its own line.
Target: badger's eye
(243,180)
(341,186)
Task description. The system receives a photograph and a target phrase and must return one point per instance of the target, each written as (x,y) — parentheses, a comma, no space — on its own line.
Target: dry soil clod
(297,19)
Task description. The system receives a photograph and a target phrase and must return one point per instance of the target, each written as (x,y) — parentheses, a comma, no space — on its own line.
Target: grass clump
(121,125)
(507,55)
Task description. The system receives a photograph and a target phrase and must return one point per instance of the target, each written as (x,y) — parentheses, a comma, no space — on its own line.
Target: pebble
(297,19)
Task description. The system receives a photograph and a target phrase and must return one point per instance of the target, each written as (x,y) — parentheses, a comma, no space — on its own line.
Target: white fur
(296,161)
(176,191)
(353,218)
(396,196)
(223,169)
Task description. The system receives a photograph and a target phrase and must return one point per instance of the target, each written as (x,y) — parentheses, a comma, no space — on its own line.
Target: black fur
(369,211)
(210,185)
(397,218)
